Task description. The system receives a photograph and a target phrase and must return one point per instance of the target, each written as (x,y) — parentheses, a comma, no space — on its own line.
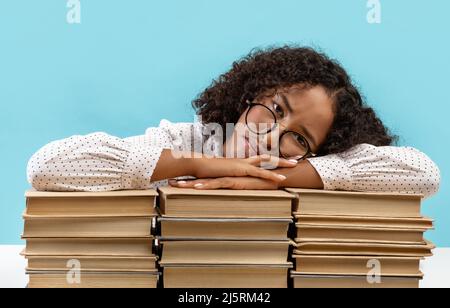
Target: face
(304,112)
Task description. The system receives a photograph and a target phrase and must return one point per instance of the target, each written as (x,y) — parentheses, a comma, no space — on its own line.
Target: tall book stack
(361,240)
(225,239)
(78,240)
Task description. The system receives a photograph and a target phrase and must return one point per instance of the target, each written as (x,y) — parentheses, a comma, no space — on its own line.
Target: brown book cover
(92,263)
(344,203)
(94,226)
(353,282)
(133,247)
(113,203)
(190,203)
(423,223)
(350,234)
(231,229)
(364,249)
(356,265)
(145,280)
(226,276)
(224,252)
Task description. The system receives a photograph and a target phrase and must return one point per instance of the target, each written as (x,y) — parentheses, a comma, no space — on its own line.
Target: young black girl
(324,135)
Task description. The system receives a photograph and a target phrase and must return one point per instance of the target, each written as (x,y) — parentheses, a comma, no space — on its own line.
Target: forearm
(302,176)
(171,166)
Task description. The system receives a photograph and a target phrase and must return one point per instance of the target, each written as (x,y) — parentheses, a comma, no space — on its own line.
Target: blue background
(131,63)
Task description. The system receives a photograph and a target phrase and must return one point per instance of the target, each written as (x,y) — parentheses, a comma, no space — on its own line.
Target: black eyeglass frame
(251,105)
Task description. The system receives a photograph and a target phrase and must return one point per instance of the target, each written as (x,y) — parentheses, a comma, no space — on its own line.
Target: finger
(173,183)
(184,184)
(270,162)
(287,163)
(256,160)
(215,184)
(265,174)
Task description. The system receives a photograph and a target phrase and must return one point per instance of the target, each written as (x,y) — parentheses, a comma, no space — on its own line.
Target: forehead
(312,106)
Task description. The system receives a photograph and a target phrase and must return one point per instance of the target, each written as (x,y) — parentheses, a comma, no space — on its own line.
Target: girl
(294,100)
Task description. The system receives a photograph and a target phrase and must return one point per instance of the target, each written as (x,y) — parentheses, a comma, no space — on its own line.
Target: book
(120,247)
(423,223)
(92,263)
(364,249)
(356,265)
(353,282)
(83,226)
(196,228)
(115,203)
(343,233)
(192,203)
(246,276)
(93,280)
(107,234)
(224,238)
(344,203)
(224,252)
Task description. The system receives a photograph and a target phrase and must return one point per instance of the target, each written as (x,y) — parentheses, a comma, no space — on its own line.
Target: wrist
(302,176)
(193,164)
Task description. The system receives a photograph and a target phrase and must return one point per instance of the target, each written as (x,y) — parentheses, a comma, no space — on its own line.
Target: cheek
(242,118)
(325,128)
(240,126)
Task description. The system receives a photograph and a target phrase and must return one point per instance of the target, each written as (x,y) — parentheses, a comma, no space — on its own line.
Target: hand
(235,183)
(204,168)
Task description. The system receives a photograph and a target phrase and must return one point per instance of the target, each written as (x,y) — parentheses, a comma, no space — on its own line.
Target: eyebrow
(286,102)
(303,128)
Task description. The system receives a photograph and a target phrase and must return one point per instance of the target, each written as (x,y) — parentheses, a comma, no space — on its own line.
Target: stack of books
(359,240)
(225,239)
(77,240)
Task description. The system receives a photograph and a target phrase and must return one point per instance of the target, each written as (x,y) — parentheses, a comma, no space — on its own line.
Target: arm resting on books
(94,162)
(369,168)
(365,168)
(303,175)
(101,162)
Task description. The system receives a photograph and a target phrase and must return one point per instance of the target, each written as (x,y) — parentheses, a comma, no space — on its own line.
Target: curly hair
(269,70)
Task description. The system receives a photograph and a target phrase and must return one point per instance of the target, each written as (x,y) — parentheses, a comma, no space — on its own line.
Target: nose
(271,140)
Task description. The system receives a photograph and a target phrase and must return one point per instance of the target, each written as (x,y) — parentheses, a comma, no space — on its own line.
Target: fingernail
(198,185)
(182,182)
(294,161)
(282,177)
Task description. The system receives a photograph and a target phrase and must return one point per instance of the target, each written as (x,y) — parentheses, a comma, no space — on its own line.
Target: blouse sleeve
(368,168)
(94,162)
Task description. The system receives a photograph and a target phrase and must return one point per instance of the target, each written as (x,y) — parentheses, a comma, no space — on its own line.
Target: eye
(278,110)
(301,140)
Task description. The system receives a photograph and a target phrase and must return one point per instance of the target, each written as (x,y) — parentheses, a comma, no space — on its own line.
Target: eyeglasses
(261,120)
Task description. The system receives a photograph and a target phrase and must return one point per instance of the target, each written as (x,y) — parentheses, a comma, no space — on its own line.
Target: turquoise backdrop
(131,63)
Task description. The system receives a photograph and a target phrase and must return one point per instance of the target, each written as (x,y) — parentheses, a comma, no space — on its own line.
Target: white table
(12,268)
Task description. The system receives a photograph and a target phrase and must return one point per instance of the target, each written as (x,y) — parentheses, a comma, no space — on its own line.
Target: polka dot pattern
(369,168)
(101,162)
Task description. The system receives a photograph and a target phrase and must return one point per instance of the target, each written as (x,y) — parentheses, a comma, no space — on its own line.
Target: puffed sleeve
(368,168)
(94,162)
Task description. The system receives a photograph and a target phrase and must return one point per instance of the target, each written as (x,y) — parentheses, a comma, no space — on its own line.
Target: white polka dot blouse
(101,162)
